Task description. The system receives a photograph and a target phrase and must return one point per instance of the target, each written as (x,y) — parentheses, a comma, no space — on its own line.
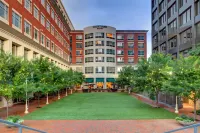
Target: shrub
(15,119)
(184,118)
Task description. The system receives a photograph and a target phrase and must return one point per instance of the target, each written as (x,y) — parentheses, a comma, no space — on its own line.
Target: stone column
(7,47)
(30,55)
(20,51)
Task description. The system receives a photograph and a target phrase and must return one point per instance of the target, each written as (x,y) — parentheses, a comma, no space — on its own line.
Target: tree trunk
(38,101)
(157,93)
(6,108)
(66,92)
(47,99)
(195,110)
(58,95)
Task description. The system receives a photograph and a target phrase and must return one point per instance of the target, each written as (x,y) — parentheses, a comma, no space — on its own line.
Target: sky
(121,14)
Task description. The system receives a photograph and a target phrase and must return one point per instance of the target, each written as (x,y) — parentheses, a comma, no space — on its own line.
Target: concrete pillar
(30,55)
(38,56)
(20,51)
(7,47)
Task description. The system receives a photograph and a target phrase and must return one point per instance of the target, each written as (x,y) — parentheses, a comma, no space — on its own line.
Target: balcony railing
(195,127)
(20,127)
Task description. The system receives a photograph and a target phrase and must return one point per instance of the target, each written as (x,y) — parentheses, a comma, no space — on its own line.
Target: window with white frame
(131,45)
(141,53)
(130,37)
(120,59)
(140,45)
(120,44)
(56,19)
(52,30)
(120,37)
(42,20)
(99,69)
(43,2)
(27,4)
(16,20)
(110,69)
(3,10)
(52,46)
(52,14)
(48,7)
(27,28)
(36,34)
(36,13)
(120,52)
(42,39)
(59,23)
(47,43)
(48,25)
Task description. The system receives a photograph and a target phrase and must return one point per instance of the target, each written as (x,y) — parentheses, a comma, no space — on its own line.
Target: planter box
(186,123)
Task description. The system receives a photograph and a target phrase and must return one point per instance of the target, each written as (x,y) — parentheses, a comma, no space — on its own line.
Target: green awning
(110,80)
(89,80)
(99,79)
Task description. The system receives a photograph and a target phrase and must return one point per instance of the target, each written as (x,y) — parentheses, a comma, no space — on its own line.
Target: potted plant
(14,119)
(185,120)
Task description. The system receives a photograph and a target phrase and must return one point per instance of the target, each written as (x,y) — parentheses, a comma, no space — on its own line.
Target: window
(141,53)
(43,2)
(99,69)
(52,30)
(42,20)
(154,3)
(130,60)
(99,51)
(16,20)
(36,34)
(163,34)
(172,43)
(42,39)
(89,44)
(56,19)
(185,17)
(3,10)
(120,37)
(47,43)
(182,2)
(198,30)
(89,51)
(52,46)
(110,51)
(130,37)
(186,36)
(111,70)
(155,40)
(99,35)
(140,38)
(120,59)
(27,4)
(130,52)
(162,5)
(89,70)
(78,52)
(27,28)
(110,59)
(154,14)
(89,36)
(140,45)
(172,10)
(120,52)
(120,44)
(89,59)
(110,35)
(48,7)
(78,45)
(185,53)
(79,60)
(48,25)
(163,47)
(79,37)
(162,19)
(99,43)
(36,13)
(110,43)
(197,5)
(130,45)
(99,59)
(172,27)
(155,27)
(52,14)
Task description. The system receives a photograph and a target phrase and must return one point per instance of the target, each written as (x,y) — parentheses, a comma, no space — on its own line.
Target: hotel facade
(42,28)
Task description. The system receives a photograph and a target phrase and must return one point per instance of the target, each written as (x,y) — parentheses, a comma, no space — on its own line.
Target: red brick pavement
(99,126)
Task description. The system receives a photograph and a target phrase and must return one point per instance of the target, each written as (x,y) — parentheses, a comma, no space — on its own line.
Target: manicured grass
(99,106)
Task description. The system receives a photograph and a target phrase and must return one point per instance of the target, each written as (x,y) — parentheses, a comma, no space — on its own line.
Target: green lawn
(99,106)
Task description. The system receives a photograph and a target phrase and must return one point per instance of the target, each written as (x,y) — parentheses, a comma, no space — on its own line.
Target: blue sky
(121,14)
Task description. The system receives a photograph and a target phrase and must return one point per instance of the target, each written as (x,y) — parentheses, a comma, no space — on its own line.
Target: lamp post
(26,106)
(176,107)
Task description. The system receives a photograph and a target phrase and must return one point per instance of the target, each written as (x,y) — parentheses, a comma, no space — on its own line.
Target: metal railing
(20,127)
(194,126)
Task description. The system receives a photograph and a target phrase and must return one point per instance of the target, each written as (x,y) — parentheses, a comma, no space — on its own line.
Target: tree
(158,73)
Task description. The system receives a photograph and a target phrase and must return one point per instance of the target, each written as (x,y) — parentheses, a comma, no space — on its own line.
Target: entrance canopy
(89,80)
(110,80)
(100,80)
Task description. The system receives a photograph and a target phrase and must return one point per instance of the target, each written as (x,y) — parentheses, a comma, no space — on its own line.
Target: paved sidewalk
(99,126)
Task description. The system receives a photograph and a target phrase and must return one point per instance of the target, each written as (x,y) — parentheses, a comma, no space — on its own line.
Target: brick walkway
(100,126)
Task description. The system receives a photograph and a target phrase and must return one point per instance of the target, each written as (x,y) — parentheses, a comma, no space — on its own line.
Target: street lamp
(26,106)
(176,107)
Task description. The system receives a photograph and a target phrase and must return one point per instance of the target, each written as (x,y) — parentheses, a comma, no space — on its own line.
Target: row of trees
(162,74)
(20,78)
